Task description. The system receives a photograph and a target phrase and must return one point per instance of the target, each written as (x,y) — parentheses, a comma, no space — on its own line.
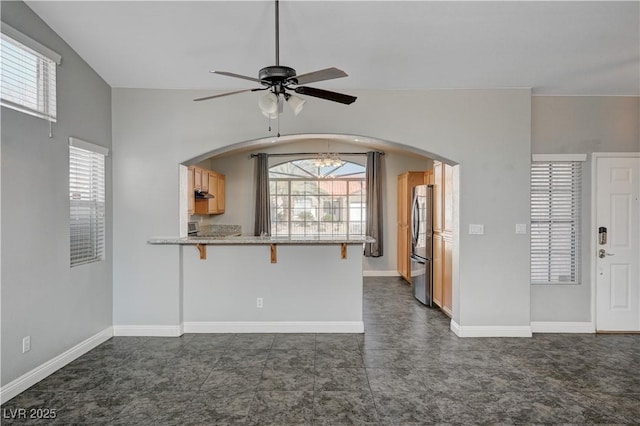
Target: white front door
(617,260)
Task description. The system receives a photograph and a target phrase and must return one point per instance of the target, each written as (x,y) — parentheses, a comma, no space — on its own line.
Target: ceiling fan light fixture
(268,104)
(296,103)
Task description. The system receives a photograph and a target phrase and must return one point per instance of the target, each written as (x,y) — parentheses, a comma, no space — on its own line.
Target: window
(87,201)
(307,200)
(555,222)
(28,75)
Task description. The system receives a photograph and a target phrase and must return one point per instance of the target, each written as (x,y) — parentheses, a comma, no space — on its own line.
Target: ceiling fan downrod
(278,33)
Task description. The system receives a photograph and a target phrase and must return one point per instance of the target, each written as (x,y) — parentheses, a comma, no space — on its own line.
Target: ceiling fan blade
(320,75)
(230,74)
(325,94)
(225,94)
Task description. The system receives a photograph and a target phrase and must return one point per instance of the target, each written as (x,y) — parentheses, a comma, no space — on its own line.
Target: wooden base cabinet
(438,246)
(447,293)
(442,256)
(406,182)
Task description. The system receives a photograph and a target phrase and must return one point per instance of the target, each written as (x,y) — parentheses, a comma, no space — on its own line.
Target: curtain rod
(288,154)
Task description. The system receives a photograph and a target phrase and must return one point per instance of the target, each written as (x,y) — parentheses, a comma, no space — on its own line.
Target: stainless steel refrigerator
(422,243)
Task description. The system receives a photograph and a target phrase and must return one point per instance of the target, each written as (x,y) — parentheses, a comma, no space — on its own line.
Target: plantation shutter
(555,222)
(87,201)
(28,80)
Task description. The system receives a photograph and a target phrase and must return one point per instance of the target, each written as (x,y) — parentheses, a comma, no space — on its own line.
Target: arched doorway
(400,158)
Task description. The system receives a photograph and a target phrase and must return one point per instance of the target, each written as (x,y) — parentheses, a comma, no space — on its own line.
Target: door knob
(602,254)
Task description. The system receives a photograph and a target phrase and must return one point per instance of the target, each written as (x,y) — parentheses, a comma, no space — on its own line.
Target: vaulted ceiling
(558,48)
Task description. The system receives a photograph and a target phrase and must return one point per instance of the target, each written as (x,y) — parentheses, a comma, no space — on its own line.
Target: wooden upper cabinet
(216,187)
(448,198)
(437,196)
(428,177)
(402,196)
(201,179)
(442,197)
(197,179)
(205,181)
(221,191)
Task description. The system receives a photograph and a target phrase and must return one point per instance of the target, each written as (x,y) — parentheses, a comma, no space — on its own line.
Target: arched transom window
(307,200)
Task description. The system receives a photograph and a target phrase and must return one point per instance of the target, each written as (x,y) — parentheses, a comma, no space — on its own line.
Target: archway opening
(320,211)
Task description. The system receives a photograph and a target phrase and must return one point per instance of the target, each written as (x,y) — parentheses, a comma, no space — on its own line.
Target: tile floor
(407,369)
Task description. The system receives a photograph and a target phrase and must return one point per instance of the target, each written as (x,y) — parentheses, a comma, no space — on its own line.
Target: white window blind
(87,203)
(555,222)
(28,75)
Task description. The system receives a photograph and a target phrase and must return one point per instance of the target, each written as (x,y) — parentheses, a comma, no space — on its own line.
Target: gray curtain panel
(263,208)
(374,204)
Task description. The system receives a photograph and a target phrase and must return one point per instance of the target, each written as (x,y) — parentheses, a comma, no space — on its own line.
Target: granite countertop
(251,240)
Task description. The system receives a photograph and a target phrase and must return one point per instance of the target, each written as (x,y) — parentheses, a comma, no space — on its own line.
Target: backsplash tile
(219,230)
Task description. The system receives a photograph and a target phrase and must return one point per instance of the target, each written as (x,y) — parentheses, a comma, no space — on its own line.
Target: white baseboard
(274,327)
(562,327)
(148,330)
(42,371)
(374,273)
(490,330)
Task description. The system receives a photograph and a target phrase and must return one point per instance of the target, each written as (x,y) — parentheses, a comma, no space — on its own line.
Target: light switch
(476,229)
(521,228)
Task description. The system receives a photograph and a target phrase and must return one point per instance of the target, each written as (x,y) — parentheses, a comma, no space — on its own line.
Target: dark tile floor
(407,369)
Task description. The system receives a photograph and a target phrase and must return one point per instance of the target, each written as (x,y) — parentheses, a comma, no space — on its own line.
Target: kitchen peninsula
(297,285)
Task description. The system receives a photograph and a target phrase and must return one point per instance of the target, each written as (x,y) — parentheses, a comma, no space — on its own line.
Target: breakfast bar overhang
(284,285)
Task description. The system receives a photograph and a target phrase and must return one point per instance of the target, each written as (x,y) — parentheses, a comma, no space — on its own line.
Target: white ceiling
(560,48)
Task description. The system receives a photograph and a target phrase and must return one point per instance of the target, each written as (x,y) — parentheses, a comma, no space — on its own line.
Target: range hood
(203,194)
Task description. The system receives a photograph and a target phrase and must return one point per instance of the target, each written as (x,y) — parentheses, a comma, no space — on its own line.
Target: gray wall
(308,284)
(486,131)
(42,296)
(569,125)
(239,171)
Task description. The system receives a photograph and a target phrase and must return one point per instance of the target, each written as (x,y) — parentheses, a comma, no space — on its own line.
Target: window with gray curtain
(298,198)
(374,204)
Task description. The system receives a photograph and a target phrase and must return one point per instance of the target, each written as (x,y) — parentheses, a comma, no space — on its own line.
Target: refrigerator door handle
(415,219)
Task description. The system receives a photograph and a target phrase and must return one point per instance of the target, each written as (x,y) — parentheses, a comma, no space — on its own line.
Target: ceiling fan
(279,80)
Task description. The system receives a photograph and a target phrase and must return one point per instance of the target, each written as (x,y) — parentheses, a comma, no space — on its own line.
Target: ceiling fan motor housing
(275,74)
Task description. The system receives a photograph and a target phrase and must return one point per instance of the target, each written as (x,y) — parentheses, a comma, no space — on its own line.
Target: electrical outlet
(476,229)
(26,344)
(259,302)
